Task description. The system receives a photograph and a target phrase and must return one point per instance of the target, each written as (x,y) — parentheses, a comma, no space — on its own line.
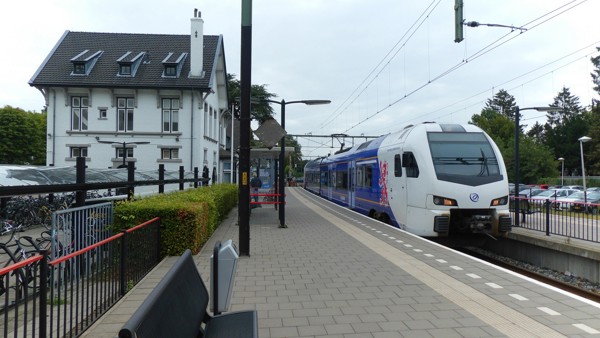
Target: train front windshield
(465,158)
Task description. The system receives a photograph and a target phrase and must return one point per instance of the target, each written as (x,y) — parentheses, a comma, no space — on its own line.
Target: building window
(79,68)
(169,153)
(125,113)
(79,113)
(170,70)
(215,125)
(125,69)
(102,113)
(170,115)
(210,123)
(205,119)
(78,152)
(128,152)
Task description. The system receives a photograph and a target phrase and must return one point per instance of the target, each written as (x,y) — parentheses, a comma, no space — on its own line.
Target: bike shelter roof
(13,175)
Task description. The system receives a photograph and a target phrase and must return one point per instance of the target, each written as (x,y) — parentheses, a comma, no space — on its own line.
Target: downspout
(192,132)
(53,127)
(231,149)
(192,122)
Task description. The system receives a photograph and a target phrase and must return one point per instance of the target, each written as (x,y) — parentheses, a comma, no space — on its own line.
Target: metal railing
(77,228)
(555,217)
(63,297)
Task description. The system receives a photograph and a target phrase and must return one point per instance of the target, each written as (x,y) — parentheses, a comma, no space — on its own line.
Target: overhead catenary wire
(474,56)
(387,128)
(407,35)
(468,58)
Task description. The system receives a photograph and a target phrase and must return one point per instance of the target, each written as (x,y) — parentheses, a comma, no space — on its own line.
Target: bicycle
(9,226)
(17,249)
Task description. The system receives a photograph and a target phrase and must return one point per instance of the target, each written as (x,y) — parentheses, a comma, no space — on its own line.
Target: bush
(188,218)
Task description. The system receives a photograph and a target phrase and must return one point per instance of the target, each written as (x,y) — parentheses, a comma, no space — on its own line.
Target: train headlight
(499,201)
(437,200)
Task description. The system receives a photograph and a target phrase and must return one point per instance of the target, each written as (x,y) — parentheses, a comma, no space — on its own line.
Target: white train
(431,179)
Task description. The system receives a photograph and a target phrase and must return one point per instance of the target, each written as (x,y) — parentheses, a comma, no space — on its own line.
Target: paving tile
(314,279)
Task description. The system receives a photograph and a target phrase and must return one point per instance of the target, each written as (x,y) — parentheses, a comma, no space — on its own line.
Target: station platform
(335,273)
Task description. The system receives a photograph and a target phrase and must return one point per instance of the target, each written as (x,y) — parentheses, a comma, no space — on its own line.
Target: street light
(282,154)
(581,141)
(517,169)
(562,171)
(124,165)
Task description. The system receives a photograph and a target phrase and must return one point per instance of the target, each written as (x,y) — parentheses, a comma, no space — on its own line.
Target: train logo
(474,197)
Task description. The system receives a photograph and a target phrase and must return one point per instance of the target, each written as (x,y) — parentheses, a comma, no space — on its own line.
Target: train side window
(410,163)
(368,176)
(360,176)
(397,165)
(341,180)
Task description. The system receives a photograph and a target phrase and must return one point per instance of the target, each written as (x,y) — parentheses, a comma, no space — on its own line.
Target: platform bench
(177,307)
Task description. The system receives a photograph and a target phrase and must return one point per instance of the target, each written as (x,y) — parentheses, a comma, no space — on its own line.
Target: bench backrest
(175,308)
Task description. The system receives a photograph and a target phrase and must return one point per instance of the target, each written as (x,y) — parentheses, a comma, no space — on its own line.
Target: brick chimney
(197,45)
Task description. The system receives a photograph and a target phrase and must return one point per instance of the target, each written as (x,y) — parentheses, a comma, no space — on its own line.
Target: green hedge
(188,218)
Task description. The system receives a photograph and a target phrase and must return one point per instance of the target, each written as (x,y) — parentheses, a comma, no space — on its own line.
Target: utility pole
(245,88)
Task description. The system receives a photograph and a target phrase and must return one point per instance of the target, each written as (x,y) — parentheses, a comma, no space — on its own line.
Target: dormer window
(79,68)
(170,70)
(84,62)
(130,62)
(125,69)
(173,66)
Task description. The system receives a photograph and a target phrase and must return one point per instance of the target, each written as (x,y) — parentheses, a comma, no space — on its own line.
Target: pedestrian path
(333,273)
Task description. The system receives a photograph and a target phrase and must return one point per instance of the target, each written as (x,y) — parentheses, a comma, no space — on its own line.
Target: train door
(351,181)
(398,194)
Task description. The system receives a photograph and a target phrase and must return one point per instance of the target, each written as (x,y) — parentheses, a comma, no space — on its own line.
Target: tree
(23,136)
(503,103)
(592,159)
(536,160)
(596,73)
(569,106)
(295,159)
(565,127)
(537,133)
(593,118)
(261,109)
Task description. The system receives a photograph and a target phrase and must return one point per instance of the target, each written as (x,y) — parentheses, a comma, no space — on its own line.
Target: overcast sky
(384,64)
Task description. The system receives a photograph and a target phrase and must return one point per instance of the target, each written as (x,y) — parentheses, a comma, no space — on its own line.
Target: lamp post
(517,169)
(124,165)
(281,182)
(581,141)
(562,171)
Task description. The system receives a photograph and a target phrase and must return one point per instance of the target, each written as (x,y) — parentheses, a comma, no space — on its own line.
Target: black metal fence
(555,217)
(63,297)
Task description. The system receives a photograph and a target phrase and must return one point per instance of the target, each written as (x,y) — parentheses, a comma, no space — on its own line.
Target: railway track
(566,286)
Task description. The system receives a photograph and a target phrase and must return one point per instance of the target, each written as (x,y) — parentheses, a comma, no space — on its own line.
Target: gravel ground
(565,277)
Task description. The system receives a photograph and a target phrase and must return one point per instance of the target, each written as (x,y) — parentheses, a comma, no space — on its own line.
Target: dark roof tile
(57,68)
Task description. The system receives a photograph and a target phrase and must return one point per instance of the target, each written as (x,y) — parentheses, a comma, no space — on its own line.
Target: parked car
(530,192)
(577,187)
(554,194)
(539,199)
(566,202)
(593,203)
